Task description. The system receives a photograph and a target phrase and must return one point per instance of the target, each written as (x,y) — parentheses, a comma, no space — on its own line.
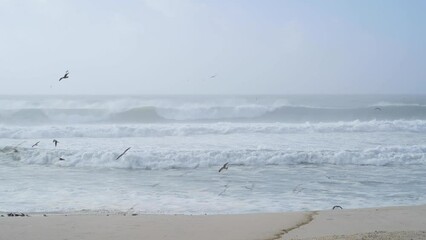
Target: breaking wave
(178,159)
(187,129)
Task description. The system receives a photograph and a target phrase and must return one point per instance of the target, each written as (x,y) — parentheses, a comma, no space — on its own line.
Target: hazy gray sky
(173,47)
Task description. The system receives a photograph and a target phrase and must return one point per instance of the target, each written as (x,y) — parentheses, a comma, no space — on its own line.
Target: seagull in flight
(35,144)
(377,108)
(224,167)
(55,142)
(213,76)
(122,154)
(65,76)
(61,159)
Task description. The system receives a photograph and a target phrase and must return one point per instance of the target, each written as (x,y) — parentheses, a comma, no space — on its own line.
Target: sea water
(285,153)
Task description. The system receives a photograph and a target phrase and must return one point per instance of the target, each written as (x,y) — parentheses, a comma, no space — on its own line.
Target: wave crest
(172,159)
(183,129)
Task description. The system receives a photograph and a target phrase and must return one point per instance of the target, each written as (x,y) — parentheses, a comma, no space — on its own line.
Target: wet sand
(374,223)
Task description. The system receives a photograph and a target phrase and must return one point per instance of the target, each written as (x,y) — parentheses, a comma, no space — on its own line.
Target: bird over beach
(35,144)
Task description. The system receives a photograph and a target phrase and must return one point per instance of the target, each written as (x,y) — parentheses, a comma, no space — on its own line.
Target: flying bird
(224,167)
(55,142)
(213,76)
(122,153)
(35,144)
(61,159)
(377,108)
(65,76)
(337,207)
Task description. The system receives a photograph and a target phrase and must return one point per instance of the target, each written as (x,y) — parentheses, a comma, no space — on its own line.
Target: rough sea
(285,153)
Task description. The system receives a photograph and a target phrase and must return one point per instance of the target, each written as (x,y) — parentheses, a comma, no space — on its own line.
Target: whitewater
(285,153)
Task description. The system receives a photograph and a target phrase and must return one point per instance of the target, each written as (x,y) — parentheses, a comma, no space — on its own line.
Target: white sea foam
(186,129)
(183,159)
(209,112)
(284,153)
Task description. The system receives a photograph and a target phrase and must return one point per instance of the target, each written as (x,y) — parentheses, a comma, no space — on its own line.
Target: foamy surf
(285,153)
(191,129)
(163,159)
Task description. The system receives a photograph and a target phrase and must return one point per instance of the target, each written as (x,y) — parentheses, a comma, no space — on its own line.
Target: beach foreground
(373,223)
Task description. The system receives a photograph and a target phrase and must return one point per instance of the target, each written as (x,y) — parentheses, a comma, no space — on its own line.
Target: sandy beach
(373,223)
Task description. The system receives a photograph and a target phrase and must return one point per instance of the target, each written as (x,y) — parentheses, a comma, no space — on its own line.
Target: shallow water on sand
(362,158)
(181,175)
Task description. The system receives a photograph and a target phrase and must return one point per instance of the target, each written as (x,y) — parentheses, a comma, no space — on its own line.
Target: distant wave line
(250,113)
(193,129)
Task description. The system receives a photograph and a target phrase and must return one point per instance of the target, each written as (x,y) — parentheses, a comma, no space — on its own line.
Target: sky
(176,46)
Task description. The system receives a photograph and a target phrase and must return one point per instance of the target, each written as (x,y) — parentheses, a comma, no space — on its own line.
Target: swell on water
(243,113)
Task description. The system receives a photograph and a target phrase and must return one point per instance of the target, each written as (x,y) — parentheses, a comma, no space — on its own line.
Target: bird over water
(224,167)
(35,144)
(119,156)
(65,75)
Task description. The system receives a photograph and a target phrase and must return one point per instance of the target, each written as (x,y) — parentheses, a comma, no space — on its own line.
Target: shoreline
(401,222)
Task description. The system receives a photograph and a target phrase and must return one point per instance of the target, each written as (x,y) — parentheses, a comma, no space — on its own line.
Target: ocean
(285,153)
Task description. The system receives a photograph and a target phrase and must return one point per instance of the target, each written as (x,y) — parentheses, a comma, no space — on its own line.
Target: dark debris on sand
(17,215)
